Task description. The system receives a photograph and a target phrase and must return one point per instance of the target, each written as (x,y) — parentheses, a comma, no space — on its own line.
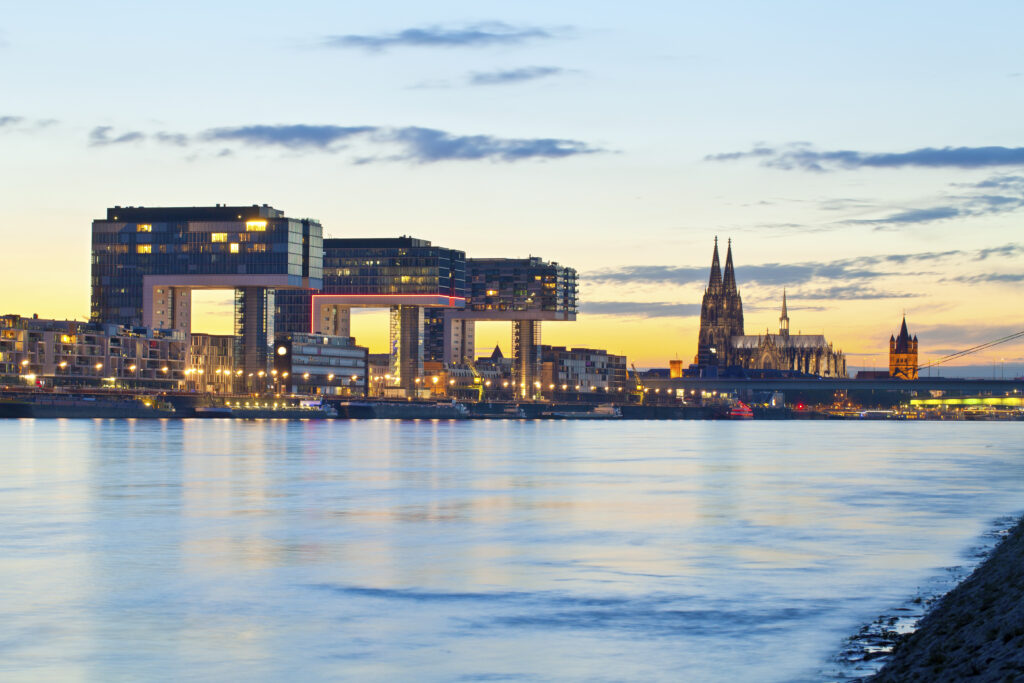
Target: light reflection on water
(496,550)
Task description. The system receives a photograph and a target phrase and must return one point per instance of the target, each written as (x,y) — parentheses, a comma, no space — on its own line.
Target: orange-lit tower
(903,354)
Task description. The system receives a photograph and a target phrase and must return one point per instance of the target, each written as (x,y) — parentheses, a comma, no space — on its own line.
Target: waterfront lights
(165,369)
(63,364)
(505,384)
(274,373)
(565,386)
(305,375)
(238,373)
(99,366)
(536,384)
(131,368)
(487,383)
(355,377)
(330,377)
(24,362)
(434,379)
(284,374)
(578,387)
(261,373)
(552,386)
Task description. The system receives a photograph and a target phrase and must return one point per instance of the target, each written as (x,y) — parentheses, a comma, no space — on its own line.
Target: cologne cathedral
(722,342)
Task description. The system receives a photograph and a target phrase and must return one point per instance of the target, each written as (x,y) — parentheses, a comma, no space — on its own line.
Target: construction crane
(478,380)
(638,387)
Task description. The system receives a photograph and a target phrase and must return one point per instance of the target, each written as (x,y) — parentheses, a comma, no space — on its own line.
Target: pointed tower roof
(904,334)
(729,278)
(497,354)
(785,313)
(715,281)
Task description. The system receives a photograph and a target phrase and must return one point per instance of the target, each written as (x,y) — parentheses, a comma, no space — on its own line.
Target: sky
(866,157)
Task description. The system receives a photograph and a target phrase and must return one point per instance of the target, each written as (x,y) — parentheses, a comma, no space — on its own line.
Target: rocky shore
(976,631)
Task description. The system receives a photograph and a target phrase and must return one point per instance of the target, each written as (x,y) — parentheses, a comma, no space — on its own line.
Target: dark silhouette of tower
(784,318)
(721,314)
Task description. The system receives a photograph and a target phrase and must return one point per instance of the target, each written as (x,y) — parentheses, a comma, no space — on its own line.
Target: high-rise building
(903,354)
(147,261)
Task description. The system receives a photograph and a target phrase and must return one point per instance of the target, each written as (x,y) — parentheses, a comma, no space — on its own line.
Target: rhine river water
(476,550)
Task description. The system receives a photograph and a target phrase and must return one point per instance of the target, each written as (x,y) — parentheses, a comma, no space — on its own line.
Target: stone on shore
(976,632)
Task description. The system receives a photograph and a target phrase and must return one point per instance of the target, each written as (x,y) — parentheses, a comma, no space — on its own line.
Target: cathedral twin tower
(721,314)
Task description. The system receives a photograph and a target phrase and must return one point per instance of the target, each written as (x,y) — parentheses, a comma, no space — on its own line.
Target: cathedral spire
(784,318)
(715,281)
(729,279)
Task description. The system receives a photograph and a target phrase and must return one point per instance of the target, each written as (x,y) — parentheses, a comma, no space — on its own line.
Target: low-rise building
(41,352)
(213,368)
(322,364)
(581,369)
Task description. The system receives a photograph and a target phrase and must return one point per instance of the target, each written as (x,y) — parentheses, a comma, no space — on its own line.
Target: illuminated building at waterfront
(903,354)
(722,342)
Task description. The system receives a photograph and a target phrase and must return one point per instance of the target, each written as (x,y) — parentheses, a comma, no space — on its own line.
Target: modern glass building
(147,261)
(404,274)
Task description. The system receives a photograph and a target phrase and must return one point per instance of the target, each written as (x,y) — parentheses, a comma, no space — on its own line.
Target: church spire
(729,279)
(784,318)
(715,281)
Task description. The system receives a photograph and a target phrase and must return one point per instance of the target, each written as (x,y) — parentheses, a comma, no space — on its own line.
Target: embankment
(976,631)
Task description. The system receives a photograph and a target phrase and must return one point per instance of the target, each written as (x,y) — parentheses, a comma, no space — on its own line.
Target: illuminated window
(219,236)
(492,292)
(234,248)
(255,226)
(144,227)
(144,249)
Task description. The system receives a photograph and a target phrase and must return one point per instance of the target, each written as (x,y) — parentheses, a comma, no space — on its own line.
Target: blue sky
(866,157)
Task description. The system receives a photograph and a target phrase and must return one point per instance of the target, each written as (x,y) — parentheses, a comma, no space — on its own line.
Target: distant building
(319,364)
(722,343)
(213,364)
(69,353)
(903,354)
(581,369)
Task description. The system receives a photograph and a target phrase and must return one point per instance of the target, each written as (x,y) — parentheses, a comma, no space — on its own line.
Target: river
(476,550)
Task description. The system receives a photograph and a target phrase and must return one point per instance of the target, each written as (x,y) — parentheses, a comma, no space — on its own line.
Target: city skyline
(600,140)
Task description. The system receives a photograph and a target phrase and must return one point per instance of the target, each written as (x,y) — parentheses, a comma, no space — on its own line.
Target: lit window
(144,227)
(144,249)
(234,248)
(219,236)
(255,226)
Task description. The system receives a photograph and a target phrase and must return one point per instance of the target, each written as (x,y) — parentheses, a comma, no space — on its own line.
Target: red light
(799,406)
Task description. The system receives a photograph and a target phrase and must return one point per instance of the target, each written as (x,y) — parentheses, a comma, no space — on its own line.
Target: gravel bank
(976,632)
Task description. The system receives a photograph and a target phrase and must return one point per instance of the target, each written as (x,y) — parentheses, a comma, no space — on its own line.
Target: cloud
(10,120)
(641,309)
(851,291)
(910,216)
(473,35)
(988,277)
(176,139)
(849,271)
(410,143)
(510,76)
(297,136)
(100,137)
(799,156)
(427,145)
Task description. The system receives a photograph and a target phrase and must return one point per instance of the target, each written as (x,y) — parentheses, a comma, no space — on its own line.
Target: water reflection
(376,549)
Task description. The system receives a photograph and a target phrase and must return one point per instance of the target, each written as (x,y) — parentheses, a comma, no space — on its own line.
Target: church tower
(903,354)
(721,314)
(784,318)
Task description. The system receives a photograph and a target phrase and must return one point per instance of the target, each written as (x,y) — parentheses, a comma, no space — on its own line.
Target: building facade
(212,369)
(320,364)
(903,354)
(69,353)
(147,261)
(722,342)
(581,370)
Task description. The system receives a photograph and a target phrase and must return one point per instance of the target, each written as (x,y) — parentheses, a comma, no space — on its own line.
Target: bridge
(947,385)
